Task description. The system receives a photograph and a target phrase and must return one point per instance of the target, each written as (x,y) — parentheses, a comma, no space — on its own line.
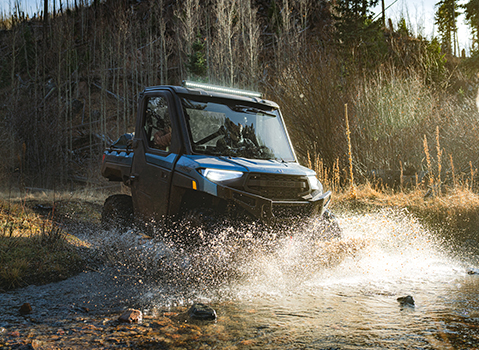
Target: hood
(242,164)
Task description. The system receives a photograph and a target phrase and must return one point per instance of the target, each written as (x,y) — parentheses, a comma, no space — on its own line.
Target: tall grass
(352,189)
(392,111)
(394,118)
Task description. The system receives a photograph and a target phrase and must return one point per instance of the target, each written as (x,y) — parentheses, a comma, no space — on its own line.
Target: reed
(439,159)
(453,171)
(473,173)
(352,189)
(401,177)
(428,162)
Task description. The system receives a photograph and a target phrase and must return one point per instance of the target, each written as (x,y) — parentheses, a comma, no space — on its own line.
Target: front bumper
(270,211)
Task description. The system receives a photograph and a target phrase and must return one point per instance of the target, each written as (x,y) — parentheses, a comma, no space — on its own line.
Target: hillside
(69,85)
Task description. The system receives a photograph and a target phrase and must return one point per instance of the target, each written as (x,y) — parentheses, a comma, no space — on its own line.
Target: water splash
(385,251)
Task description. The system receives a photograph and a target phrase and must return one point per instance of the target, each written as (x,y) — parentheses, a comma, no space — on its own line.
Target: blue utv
(206,151)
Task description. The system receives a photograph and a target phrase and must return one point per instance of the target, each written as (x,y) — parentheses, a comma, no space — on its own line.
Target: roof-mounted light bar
(226,90)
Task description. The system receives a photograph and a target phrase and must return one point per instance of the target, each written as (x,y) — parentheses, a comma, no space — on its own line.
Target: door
(156,152)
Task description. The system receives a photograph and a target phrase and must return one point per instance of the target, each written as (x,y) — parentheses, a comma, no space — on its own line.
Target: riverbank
(38,238)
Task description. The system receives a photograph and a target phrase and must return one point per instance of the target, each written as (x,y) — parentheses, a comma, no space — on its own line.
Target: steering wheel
(221,132)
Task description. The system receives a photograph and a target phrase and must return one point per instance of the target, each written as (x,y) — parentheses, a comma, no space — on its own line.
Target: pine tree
(354,24)
(446,18)
(471,11)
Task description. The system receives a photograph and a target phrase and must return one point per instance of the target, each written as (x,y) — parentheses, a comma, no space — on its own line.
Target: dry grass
(33,249)
(455,211)
(461,198)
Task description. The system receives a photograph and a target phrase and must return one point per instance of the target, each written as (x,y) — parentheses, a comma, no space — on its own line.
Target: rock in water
(25,309)
(202,312)
(131,316)
(406,301)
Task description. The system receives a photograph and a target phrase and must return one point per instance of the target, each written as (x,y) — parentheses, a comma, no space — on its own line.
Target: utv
(210,151)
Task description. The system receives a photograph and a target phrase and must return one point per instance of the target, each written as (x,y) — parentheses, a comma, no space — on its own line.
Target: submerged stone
(131,316)
(25,309)
(202,312)
(406,301)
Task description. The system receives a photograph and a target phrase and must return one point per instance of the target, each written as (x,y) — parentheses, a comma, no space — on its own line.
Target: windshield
(236,130)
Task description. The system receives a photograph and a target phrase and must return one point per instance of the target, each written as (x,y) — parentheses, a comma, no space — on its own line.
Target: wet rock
(25,309)
(202,312)
(131,316)
(406,301)
(79,309)
(37,345)
(473,271)
(160,322)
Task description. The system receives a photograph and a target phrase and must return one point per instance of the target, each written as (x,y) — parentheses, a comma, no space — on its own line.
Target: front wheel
(196,226)
(117,212)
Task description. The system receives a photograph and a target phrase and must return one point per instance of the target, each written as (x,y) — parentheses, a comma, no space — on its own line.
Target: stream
(286,292)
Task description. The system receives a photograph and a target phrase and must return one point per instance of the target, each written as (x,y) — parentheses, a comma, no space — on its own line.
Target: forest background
(360,95)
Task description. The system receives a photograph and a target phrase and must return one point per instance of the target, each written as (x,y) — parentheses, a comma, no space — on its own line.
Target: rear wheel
(117,212)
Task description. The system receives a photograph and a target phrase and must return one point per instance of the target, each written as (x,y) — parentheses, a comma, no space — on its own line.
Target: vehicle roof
(207,93)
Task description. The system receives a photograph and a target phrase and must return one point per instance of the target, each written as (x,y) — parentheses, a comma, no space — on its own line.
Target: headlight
(315,184)
(220,175)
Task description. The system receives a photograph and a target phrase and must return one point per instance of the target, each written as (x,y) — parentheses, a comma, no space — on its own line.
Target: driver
(162,138)
(234,133)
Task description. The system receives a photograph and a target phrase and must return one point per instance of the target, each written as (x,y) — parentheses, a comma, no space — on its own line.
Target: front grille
(289,211)
(277,187)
